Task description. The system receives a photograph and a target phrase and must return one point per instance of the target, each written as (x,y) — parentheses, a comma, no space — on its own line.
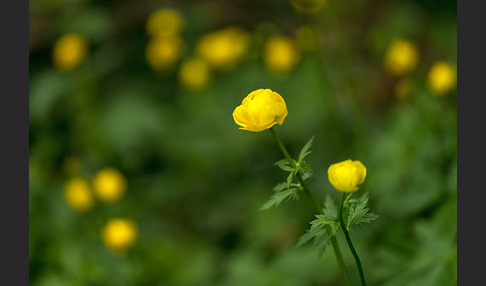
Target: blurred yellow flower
(280,55)
(194,74)
(260,110)
(119,234)
(345,176)
(403,89)
(109,185)
(165,22)
(402,57)
(69,51)
(163,52)
(441,78)
(308,6)
(78,195)
(225,48)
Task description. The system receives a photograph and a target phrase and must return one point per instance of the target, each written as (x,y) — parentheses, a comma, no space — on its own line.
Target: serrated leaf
(290,178)
(278,198)
(306,176)
(358,213)
(284,165)
(280,187)
(304,167)
(305,150)
(330,208)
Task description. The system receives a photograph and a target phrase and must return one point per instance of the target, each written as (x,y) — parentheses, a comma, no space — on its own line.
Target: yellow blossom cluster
(166,45)
(280,55)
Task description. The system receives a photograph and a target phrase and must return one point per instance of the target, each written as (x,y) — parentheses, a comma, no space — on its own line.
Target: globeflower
(225,48)
(281,55)
(109,185)
(194,74)
(402,57)
(345,176)
(69,51)
(441,78)
(119,234)
(78,195)
(163,52)
(165,22)
(260,110)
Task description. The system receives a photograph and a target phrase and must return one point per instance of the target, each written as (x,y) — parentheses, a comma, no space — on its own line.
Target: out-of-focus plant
(441,78)
(109,185)
(194,74)
(401,57)
(78,194)
(163,52)
(119,234)
(69,51)
(261,110)
(281,54)
(165,22)
(224,49)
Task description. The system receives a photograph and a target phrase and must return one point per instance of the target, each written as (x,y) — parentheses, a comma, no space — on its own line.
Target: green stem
(350,244)
(334,241)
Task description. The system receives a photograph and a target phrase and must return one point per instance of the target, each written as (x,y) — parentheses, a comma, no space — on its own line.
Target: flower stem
(334,241)
(350,244)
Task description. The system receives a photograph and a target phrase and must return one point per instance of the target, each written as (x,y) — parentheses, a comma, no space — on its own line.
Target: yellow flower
(441,78)
(260,110)
(69,51)
(402,57)
(403,89)
(109,185)
(119,234)
(78,194)
(163,52)
(224,49)
(165,22)
(281,55)
(345,176)
(308,6)
(194,74)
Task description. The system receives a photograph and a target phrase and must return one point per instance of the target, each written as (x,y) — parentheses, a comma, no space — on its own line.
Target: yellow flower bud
(69,51)
(441,78)
(78,194)
(260,110)
(224,49)
(109,185)
(165,22)
(308,6)
(163,52)
(194,74)
(119,234)
(402,57)
(281,55)
(345,176)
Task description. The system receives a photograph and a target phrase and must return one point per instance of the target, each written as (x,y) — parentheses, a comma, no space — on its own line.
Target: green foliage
(289,188)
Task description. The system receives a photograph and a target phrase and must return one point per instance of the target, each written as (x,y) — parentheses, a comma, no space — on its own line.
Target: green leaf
(358,213)
(279,197)
(320,237)
(305,150)
(284,165)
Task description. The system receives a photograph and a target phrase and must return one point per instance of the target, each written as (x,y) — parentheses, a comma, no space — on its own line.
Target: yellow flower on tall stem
(109,185)
(260,110)
(119,234)
(345,176)
(69,51)
(77,193)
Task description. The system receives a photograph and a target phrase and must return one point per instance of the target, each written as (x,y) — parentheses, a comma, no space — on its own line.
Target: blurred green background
(194,182)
